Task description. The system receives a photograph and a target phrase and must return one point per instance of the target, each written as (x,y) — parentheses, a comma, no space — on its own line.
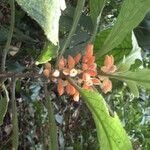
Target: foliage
(43,92)
(128,18)
(47,14)
(111,135)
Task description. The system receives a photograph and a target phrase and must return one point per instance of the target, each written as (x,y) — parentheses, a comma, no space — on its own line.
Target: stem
(95,29)
(96,23)
(53,144)
(15,134)
(77,15)
(20,75)
(12,23)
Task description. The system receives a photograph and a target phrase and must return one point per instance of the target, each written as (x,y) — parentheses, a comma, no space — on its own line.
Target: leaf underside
(46,13)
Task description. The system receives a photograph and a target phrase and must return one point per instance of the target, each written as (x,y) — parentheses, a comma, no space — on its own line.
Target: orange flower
(88,82)
(89,51)
(91,73)
(106,86)
(47,70)
(77,58)
(109,66)
(60,87)
(76,96)
(61,63)
(71,62)
(48,66)
(70,89)
(96,81)
(46,73)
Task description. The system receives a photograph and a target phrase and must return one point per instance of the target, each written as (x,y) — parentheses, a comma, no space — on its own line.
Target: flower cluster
(84,72)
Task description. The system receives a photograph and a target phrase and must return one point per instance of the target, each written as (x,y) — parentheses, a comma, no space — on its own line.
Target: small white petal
(56,73)
(73,72)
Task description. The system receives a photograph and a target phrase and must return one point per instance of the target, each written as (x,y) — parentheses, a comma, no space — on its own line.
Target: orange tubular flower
(71,62)
(46,73)
(62,63)
(106,86)
(76,96)
(60,87)
(109,66)
(47,70)
(77,58)
(70,89)
(89,51)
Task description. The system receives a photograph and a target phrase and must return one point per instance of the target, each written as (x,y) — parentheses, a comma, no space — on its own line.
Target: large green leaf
(46,13)
(131,14)
(111,134)
(96,6)
(140,77)
(49,51)
(3,105)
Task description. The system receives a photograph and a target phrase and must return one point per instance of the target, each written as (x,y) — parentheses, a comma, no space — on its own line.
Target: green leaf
(111,134)
(140,77)
(3,105)
(134,54)
(66,21)
(129,17)
(123,49)
(133,88)
(96,6)
(49,51)
(134,58)
(46,13)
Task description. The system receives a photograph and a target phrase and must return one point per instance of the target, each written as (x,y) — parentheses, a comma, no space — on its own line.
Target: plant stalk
(20,75)
(95,29)
(77,15)
(53,144)
(10,34)
(15,134)
(96,23)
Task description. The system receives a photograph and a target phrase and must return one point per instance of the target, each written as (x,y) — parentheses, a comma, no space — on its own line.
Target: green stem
(53,144)
(95,29)
(10,34)
(96,23)
(15,134)
(77,15)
